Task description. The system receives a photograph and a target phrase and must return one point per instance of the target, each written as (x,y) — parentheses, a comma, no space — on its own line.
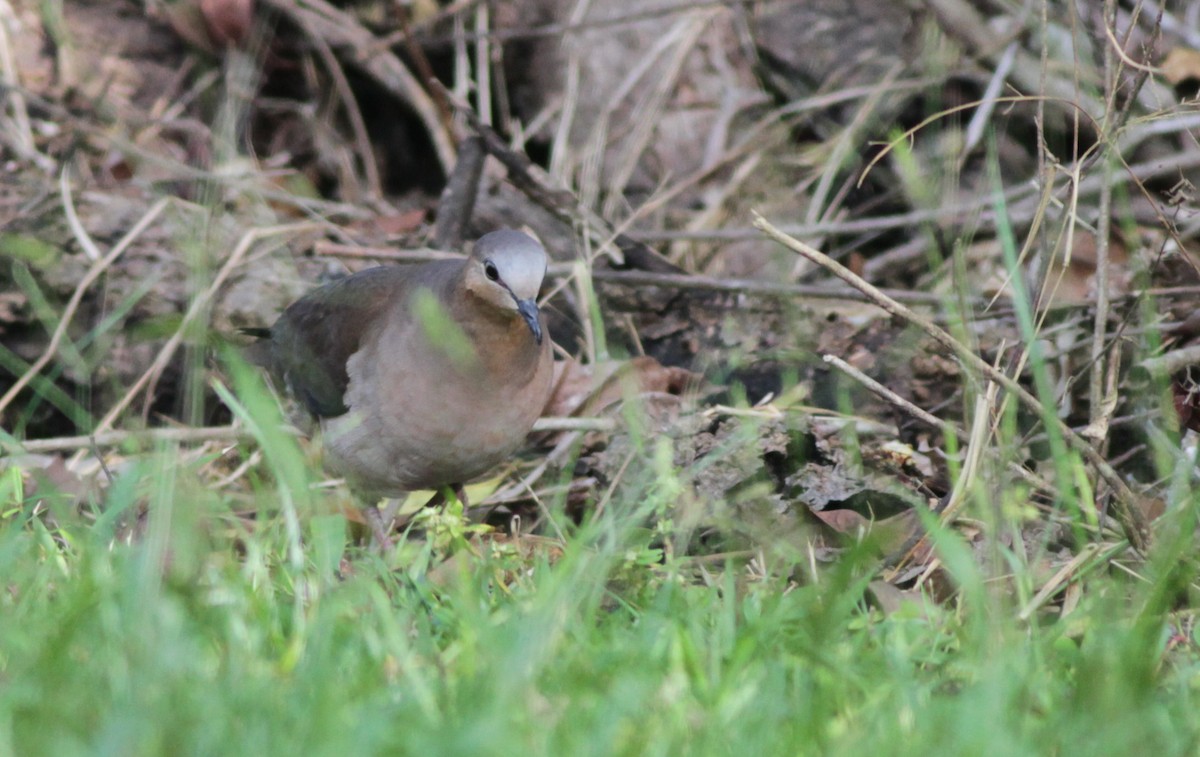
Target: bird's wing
(315,337)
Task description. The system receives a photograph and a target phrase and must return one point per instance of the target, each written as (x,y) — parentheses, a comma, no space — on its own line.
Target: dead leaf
(1073,282)
(886,535)
(187,20)
(228,21)
(590,389)
(843,521)
(1186,396)
(400,224)
(1181,64)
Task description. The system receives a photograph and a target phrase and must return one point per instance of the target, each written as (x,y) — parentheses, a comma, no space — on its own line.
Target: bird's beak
(529,311)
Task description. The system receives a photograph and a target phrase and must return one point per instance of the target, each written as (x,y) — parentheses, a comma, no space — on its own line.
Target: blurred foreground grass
(172,618)
(206,638)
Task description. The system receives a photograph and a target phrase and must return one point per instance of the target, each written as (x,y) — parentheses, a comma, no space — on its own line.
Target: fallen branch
(757,287)
(744,286)
(530,179)
(233,433)
(118,438)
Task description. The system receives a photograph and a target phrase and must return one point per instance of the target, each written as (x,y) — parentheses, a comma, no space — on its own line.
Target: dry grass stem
(888,395)
(759,287)
(146,437)
(19,134)
(517,489)
(573,424)
(358,125)
(945,427)
(1126,505)
(341,31)
(198,306)
(1091,556)
(98,267)
(558,167)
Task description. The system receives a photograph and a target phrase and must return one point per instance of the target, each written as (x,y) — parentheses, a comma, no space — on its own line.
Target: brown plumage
(421,377)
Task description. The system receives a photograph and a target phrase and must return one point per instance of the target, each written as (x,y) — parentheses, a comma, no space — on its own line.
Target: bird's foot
(379,529)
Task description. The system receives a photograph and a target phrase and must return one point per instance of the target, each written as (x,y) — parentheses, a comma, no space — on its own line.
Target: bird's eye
(490,269)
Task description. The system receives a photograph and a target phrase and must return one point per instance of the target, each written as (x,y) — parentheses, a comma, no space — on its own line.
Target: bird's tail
(257,352)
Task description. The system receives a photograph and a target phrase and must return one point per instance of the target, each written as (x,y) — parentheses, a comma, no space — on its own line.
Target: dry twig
(1126,508)
(180,434)
(100,265)
(341,31)
(199,305)
(233,432)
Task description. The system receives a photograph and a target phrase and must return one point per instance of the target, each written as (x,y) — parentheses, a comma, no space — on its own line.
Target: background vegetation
(726,537)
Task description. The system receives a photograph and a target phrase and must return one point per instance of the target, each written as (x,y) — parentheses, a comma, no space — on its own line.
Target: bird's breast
(421,417)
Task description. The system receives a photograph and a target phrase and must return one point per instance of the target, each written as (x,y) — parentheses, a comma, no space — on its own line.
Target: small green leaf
(37,253)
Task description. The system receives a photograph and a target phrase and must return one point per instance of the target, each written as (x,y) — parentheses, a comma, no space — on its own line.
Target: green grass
(157,620)
(203,637)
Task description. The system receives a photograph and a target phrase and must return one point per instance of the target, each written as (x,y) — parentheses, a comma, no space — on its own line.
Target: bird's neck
(502,336)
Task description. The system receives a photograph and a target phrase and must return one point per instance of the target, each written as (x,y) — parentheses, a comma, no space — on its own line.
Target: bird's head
(505,270)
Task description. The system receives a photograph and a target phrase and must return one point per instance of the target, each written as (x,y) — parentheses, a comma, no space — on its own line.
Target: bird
(419,377)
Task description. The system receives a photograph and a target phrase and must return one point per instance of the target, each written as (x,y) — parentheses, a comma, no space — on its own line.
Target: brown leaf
(1187,404)
(1076,278)
(187,20)
(589,389)
(887,535)
(399,224)
(228,21)
(1181,64)
(843,521)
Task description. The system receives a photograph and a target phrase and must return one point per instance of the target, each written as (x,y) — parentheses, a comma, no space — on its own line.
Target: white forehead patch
(519,259)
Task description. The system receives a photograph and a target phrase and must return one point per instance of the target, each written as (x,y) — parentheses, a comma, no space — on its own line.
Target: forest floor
(876,417)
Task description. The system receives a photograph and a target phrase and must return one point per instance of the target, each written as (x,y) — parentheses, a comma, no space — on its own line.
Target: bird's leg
(379,529)
(440,496)
(392,510)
